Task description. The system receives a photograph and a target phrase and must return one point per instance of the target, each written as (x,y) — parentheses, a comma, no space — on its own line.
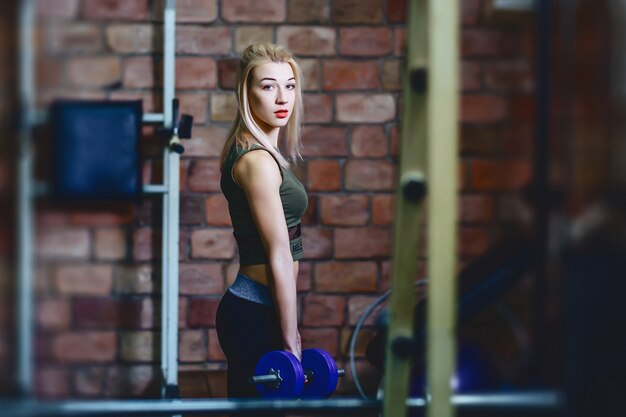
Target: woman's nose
(281,97)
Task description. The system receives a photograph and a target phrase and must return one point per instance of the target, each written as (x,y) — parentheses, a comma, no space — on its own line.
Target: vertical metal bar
(442,130)
(409,217)
(25,238)
(169,313)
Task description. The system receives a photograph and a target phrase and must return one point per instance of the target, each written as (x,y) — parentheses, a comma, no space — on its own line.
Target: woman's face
(272,93)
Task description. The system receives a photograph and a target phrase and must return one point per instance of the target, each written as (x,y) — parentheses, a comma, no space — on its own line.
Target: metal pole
(400,345)
(442,126)
(171,162)
(522,401)
(25,238)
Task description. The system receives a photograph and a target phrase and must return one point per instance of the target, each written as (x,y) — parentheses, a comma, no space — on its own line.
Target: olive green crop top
(294,200)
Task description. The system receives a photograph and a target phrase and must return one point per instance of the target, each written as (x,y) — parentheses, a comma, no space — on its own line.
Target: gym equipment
(181,129)
(279,374)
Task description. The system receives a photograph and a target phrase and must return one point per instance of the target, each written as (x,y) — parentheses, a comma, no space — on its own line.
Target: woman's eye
(268,87)
(291,86)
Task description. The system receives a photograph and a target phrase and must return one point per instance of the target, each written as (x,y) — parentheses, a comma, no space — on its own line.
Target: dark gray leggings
(246,330)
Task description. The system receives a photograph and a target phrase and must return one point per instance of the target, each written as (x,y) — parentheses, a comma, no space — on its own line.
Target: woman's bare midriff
(262,273)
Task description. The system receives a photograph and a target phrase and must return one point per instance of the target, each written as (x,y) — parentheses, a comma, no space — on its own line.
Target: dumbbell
(279,374)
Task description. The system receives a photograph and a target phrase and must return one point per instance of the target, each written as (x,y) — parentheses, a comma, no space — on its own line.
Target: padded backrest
(96,149)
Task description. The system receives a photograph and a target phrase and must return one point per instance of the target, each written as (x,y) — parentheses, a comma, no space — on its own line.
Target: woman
(266,201)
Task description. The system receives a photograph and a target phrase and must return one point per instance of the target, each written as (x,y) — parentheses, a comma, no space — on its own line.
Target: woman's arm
(259,175)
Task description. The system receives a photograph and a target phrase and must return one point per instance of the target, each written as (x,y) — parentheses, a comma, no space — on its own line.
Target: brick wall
(97,311)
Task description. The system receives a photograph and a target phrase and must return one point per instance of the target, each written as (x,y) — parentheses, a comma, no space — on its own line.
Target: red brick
(350,75)
(107,313)
(311,74)
(224,107)
(74,38)
(151,103)
(308,11)
(500,175)
(383,209)
(400,44)
(84,347)
(344,210)
(115,9)
(57,9)
(322,141)
(357,11)
(365,41)
(346,277)
(188,11)
(216,211)
(101,71)
(200,40)
(246,35)
(374,175)
(135,279)
(134,38)
(507,76)
(305,272)
(368,141)
(518,140)
(195,73)
(323,175)
(478,140)
(112,215)
(396,11)
(476,208)
(308,40)
(324,310)
(227,70)
(205,176)
(393,73)
(49,74)
(206,141)
(191,210)
(473,241)
(150,314)
(142,244)
(201,279)
(63,244)
(488,43)
(192,346)
(362,242)
(52,383)
(212,244)
(195,104)
(132,381)
(317,242)
(215,350)
(470,11)
(318,108)
(471,75)
(84,279)
(138,346)
(365,108)
(357,305)
(139,72)
(523,109)
(53,314)
(320,338)
(364,338)
(483,109)
(202,312)
(110,244)
(266,11)
(89,382)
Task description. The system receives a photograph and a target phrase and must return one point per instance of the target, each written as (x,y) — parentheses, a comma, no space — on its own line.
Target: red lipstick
(282,113)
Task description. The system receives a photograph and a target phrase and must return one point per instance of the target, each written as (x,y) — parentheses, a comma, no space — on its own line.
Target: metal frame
(531,400)
(27,193)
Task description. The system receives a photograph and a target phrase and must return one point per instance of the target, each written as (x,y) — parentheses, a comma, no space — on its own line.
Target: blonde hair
(253,56)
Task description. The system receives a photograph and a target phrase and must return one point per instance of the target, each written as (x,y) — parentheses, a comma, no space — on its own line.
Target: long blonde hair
(253,56)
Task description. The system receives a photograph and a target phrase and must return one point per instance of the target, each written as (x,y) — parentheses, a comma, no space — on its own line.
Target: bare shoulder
(257,167)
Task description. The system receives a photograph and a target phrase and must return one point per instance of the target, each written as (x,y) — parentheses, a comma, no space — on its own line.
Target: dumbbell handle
(274,378)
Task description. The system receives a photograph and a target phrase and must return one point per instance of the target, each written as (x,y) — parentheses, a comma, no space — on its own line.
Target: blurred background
(541,168)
